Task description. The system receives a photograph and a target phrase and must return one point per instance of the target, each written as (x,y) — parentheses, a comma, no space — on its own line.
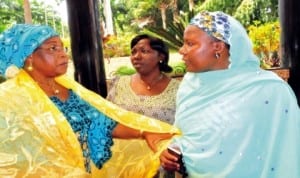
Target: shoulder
(118,79)
(118,84)
(13,85)
(172,87)
(114,82)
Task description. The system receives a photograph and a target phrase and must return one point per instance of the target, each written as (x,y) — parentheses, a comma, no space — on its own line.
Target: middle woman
(149,91)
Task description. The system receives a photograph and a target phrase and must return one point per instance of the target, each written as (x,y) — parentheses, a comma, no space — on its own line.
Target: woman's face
(50,59)
(198,50)
(143,58)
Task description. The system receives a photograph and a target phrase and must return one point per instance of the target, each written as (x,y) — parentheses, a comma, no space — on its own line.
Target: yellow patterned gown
(36,140)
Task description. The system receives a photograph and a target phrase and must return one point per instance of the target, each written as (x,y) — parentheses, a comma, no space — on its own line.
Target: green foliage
(250,11)
(145,16)
(2,79)
(265,37)
(179,69)
(227,6)
(266,41)
(3,27)
(12,12)
(135,14)
(173,35)
(129,15)
(246,11)
(118,46)
(124,70)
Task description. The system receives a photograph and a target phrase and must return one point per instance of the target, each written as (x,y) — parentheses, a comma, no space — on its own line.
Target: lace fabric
(161,106)
(93,129)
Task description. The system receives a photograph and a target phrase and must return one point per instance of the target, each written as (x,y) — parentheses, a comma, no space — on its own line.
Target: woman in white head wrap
(237,120)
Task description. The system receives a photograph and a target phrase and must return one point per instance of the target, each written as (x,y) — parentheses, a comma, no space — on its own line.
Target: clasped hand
(169,161)
(153,139)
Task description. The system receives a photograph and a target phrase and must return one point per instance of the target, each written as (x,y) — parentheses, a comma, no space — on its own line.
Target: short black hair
(158,45)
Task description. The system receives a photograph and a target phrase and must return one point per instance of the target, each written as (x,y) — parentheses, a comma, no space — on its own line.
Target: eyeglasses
(53,49)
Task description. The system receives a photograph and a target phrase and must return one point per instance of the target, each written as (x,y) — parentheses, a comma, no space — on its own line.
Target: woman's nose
(181,50)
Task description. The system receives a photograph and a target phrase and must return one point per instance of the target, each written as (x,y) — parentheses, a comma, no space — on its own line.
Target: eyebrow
(53,42)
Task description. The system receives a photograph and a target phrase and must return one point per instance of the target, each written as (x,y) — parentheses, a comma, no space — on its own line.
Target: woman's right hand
(169,161)
(153,138)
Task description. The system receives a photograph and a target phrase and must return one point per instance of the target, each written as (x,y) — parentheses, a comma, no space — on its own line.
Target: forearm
(124,132)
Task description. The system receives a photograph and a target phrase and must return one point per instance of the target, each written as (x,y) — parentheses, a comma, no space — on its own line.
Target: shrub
(124,70)
(178,70)
(117,46)
(266,41)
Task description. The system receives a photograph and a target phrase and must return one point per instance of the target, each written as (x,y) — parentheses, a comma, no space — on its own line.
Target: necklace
(153,83)
(51,85)
(56,91)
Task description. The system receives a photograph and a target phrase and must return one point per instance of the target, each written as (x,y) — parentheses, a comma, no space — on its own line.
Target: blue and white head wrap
(216,24)
(227,29)
(20,41)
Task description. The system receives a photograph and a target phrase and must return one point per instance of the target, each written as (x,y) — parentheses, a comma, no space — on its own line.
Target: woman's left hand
(153,139)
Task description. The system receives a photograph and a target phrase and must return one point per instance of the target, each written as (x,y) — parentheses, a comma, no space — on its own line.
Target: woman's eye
(145,51)
(53,48)
(189,44)
(133,52)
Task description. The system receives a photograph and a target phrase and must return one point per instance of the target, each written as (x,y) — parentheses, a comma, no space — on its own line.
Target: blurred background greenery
(162,18)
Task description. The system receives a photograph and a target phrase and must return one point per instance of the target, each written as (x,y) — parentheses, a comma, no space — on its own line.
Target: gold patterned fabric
(37,141)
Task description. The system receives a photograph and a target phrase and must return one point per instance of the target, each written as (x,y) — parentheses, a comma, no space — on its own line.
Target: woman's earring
(161,61)
(217,55)
(30,68)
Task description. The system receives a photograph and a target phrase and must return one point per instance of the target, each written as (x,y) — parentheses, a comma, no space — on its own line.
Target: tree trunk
(86,45)
(175,11)
(163,8)
(27,12)
(191,5)
(109,29)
